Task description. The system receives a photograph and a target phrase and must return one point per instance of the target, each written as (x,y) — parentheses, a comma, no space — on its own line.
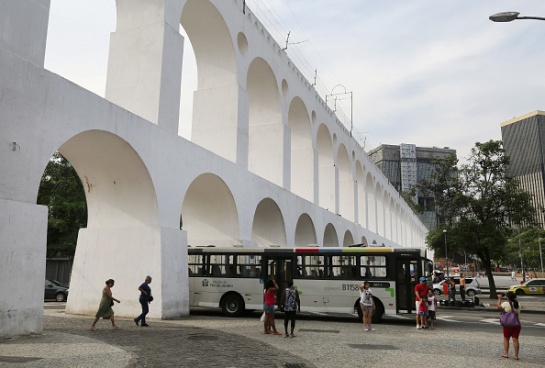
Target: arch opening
(209,213)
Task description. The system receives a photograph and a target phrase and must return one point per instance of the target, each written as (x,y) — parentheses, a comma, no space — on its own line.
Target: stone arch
(265,131)
(268,225)
(346,184)
(122,210)
(117,184)
(302,152)
(364,240)
(305,232)
(326,169)
(360,190)
(380,208)
(390,218)
(330,236)
(213,128)
(348,239)
(209,213)
(371,204)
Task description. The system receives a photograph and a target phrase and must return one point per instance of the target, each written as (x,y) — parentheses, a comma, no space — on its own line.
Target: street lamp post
(521,258)
(446,254)
(510,16)
(540,254)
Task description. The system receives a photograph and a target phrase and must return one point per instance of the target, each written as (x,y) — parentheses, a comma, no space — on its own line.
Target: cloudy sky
(428,72)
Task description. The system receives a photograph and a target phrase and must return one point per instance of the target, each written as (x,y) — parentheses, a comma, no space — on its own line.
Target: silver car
(472,286)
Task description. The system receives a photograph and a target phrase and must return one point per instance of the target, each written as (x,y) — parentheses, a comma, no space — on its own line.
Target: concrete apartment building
(524,142)
(405,165)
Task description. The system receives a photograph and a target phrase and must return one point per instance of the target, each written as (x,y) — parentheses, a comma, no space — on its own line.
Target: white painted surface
(143,182)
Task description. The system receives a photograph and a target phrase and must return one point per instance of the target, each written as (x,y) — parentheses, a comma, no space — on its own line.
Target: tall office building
(524,142)
(405,166)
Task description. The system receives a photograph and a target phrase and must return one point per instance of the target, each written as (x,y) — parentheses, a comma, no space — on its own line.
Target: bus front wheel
(232,305)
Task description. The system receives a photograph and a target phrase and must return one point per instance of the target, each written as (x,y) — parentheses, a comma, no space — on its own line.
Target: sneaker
(418,327)
(145,325)
(292,335)
(366,329)
(371,329)
(136,321)
(287,335)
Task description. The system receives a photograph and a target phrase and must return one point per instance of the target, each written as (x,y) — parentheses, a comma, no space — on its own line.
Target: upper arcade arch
(215,126)
(302,151)
(326,169)
(346,184)
(266,130)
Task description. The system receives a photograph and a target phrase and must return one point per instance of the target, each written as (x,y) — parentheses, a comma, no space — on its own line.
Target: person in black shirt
(145,299)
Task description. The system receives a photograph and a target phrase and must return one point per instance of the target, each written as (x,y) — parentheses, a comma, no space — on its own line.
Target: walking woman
(105,308)
(269,302)
(510,332)
(292,305)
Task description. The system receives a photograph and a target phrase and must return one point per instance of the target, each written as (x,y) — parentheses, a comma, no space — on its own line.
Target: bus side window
(216,271)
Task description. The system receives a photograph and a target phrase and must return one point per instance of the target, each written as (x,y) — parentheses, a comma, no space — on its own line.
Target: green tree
(478,206)
(62,192)
(530,238)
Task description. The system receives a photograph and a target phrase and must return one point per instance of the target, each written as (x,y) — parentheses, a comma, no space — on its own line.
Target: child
(423,311)
(432,307)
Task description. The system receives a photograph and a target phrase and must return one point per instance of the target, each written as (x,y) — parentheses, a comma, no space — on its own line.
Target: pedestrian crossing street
(490,321)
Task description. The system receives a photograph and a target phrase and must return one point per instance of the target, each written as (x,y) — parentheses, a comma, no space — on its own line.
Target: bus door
(280,269)
(406,274)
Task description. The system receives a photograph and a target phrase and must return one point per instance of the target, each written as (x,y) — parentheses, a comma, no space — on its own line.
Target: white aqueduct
(268,163)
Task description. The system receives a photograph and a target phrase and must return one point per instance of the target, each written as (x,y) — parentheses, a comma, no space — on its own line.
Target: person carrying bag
(509,319)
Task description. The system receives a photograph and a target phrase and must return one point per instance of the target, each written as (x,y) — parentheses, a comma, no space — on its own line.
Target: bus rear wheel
(379,311)
(232,305)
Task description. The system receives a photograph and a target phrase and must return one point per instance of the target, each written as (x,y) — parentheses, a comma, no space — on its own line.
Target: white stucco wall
(142,181)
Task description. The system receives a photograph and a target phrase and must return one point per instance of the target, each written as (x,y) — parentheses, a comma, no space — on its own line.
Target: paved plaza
(217,341)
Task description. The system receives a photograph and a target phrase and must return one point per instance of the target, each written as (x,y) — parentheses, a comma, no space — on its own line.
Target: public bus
(327,279)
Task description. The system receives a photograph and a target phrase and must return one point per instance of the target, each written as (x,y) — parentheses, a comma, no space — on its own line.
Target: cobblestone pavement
(68,342)
(205,340)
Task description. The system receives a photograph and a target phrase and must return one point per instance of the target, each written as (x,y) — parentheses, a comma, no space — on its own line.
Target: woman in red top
(269,302)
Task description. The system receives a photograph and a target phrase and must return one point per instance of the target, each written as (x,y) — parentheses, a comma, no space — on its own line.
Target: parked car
(54,290)
(472,286)
(534,286)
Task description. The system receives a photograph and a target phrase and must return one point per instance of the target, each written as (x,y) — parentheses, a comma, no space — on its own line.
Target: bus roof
(316,250)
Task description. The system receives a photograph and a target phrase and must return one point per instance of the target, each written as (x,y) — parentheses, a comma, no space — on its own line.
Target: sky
(425,72)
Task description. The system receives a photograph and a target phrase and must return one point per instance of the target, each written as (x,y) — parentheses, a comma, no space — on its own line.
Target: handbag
(509,319)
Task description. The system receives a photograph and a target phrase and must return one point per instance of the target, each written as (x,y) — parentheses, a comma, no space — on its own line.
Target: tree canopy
(477,204)
(62,192)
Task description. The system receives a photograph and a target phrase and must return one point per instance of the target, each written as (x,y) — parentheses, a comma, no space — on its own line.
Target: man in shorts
(420,290)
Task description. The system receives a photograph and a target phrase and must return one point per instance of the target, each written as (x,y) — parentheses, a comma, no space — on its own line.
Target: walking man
(145,299)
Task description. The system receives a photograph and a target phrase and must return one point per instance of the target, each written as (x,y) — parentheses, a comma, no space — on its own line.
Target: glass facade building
(524,142)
